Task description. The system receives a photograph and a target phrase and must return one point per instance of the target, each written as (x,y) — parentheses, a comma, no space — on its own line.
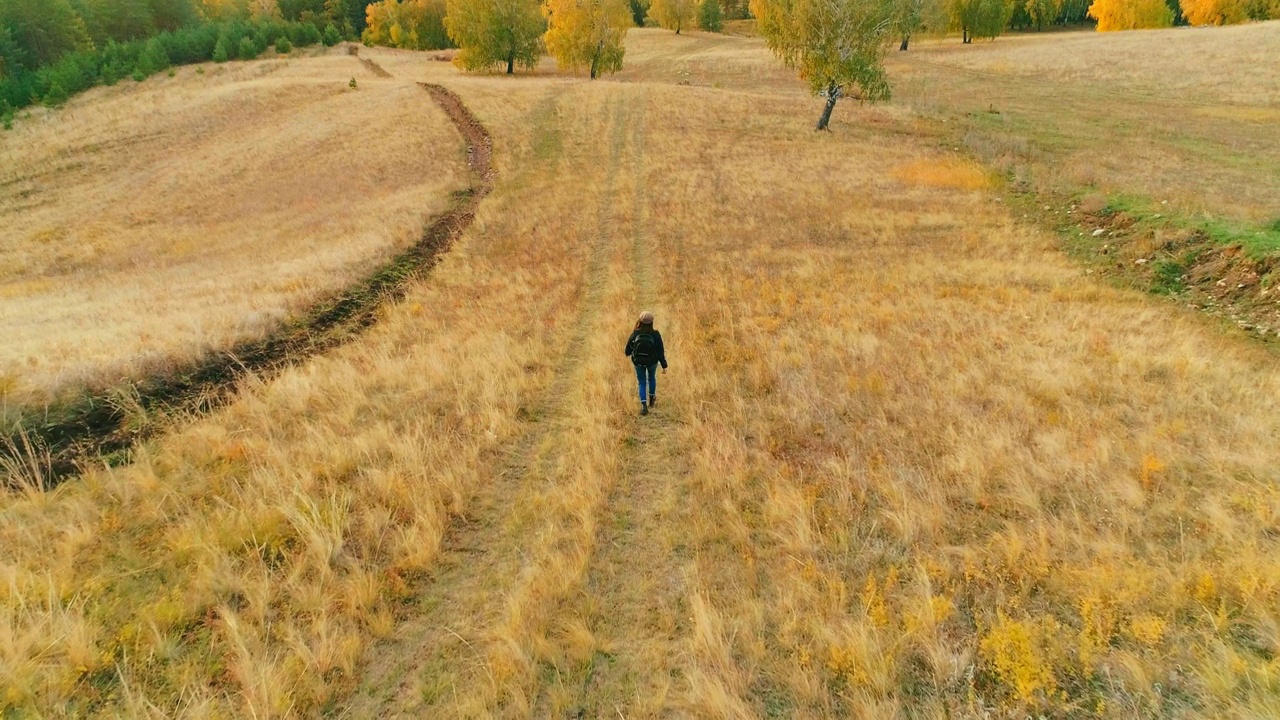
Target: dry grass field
(149,223)
(1184,118)
(909,461)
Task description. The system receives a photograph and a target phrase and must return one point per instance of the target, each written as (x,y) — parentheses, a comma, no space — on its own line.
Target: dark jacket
(648,353)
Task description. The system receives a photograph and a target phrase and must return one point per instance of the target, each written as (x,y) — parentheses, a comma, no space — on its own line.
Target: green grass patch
(1166,278)
(1258,242)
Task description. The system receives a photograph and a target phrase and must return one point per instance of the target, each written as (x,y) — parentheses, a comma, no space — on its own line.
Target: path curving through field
(51,446)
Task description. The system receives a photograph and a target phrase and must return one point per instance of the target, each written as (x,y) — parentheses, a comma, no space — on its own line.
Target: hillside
(148,224)
(910,460)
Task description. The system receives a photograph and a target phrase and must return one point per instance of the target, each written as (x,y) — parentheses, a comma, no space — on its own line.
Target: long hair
(648,327)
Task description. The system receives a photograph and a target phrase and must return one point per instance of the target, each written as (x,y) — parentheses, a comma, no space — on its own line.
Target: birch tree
(673,14)
(837,46)
(587,33)
(495,32)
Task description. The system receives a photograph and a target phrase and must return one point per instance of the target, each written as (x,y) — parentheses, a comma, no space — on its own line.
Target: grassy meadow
(147,224)
(910,460)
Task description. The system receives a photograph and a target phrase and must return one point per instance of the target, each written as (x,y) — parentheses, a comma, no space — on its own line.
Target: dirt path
(635,591)
(49,448)
(495,565)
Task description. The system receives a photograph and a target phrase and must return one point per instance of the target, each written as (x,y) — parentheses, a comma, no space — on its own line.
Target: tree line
(838,46)
(583,35)
(52,49)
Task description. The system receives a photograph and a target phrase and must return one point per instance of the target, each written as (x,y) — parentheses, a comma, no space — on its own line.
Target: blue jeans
(650,371)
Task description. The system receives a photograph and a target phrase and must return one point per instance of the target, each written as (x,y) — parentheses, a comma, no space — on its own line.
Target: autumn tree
(913,16)
(674,14)
(587,33)
(1130,14)
(492,32)
(1228,12)
(834,45)
(979,18)
(1043,12)
(409,24)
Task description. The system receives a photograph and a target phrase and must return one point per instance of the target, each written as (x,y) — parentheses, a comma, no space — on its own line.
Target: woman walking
(644,347)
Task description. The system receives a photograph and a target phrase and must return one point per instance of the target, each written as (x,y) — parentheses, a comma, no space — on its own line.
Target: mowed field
(909,461)
(145,225)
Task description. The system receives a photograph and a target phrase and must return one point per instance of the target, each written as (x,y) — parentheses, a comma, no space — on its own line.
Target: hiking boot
(653,399)
(644,409)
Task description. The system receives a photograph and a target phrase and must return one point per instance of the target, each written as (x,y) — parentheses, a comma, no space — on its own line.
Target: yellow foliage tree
(409,24)
(587,33)
(674,14)
(1130,14)
(227,9)
(1227,12)
(223,9)
(1043,12)
(496,32)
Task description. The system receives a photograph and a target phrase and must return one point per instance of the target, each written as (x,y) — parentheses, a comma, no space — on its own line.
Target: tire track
(373,67)
(455,651)
(42,452)
(637,581)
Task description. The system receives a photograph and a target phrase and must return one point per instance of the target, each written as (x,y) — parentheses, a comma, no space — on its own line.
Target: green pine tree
(710,17)
(332,36)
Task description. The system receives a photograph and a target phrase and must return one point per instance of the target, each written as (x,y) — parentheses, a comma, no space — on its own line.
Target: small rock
(1140,261)
(1240,286)
(1098,232)
(1157,215)
(1046,207)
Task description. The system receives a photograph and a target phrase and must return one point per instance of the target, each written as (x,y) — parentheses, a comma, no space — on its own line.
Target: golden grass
(1178,116)
(149,223)
(909,461)
(1233,64)
(947,172)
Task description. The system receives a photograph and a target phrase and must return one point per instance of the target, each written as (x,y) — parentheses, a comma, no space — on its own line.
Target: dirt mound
(1187,263)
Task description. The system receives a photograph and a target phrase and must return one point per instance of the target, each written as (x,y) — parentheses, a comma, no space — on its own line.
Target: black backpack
(645,349)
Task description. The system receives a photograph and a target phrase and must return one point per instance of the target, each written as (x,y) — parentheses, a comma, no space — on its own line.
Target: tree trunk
(906,40)
(511,64)
(967,39)
(832,97)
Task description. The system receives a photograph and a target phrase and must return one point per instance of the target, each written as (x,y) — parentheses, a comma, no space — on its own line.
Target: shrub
(220,54)
(138,75)
(283,46)
(248,49)
(331,36)
(56,96)
(311,35)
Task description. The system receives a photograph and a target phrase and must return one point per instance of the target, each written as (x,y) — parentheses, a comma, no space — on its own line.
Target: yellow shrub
(1147,629)
(1097,626)
(1016,657)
